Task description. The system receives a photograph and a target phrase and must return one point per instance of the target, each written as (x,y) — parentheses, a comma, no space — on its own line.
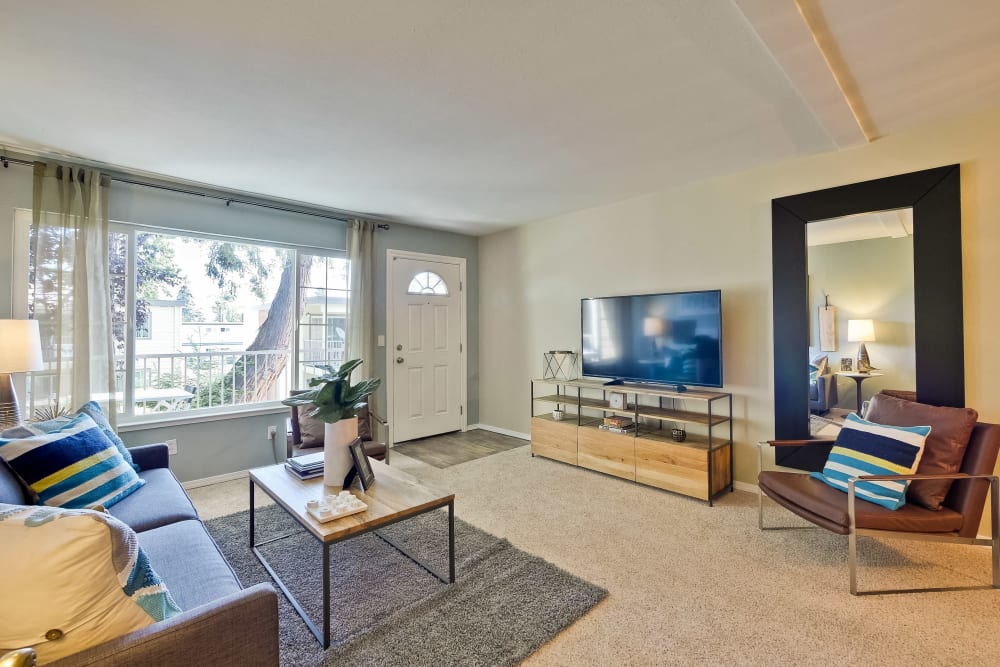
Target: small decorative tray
(332,507)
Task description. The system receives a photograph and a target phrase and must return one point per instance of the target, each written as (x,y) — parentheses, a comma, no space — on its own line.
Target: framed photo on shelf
(616,400)
(362,466)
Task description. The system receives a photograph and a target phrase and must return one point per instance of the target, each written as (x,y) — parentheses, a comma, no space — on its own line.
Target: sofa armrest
(148,457)
(239,629)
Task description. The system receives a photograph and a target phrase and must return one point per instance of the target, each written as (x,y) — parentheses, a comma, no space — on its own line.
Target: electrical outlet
(272,432)
(171,447)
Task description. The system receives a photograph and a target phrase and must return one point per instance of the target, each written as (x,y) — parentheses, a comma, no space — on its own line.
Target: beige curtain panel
(71,290)
(360,343)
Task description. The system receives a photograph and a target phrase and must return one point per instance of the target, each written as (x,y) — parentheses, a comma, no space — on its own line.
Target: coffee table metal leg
(451,542)
(251,514)
(326,595)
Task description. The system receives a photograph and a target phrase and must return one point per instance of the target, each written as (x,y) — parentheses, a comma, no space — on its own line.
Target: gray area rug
(387,610)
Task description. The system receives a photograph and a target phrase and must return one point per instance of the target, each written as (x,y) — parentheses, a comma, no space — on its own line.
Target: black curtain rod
(7,161)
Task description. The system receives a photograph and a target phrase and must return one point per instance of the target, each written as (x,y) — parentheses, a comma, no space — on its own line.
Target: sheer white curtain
(360,304)
(71,296)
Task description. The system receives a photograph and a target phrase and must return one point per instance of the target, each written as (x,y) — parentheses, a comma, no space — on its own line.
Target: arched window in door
(428,282)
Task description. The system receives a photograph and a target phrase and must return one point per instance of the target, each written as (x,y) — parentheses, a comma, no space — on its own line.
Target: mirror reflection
(861,312)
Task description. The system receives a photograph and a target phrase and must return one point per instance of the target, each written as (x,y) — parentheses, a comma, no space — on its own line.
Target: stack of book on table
(618,424)
(306,466)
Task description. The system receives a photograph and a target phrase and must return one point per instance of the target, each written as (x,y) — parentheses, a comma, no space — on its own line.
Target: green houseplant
(336,401)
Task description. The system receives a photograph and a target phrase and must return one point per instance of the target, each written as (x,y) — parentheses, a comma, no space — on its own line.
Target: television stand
(697,461)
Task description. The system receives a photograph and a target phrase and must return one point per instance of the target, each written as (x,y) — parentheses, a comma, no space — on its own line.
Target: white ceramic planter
(337,461)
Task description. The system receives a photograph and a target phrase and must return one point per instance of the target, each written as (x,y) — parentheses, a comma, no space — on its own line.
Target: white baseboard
(501,431)
(745,486)
(215,479)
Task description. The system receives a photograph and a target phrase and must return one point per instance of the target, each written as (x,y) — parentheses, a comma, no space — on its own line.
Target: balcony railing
(194,380)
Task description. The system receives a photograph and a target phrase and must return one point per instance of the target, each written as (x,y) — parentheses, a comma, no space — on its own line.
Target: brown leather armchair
(842,513)
(306,433)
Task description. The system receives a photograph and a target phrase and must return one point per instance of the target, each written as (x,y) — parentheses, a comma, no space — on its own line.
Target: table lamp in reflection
(861,332)
(20,351)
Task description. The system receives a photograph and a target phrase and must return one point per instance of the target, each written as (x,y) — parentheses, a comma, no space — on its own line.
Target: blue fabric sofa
(222,623)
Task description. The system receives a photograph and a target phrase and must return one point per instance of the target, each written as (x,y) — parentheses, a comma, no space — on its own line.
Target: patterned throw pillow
(73,579)
(94,410)
(75,466)
(867,448)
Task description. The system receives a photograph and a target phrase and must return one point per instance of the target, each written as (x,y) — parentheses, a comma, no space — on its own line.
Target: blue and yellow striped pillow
(867,448)
(76,466)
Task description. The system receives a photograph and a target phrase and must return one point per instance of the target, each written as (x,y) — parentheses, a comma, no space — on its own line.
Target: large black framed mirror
(935,198)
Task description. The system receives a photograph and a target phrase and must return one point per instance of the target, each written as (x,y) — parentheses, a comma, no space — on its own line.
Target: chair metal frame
(854,532)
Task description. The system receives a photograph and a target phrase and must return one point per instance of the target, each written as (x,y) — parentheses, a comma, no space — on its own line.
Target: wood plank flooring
(443,451)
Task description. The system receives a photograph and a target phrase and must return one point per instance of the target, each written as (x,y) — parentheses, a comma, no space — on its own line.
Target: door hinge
(461,409)
(460,348)
(459,285)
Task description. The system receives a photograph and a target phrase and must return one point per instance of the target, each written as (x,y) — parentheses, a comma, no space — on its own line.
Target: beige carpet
(690,584)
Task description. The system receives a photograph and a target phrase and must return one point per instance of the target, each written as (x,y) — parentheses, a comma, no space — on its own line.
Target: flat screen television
(673,338)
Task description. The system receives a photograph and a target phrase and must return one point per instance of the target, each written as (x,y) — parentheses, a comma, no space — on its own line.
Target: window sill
(146,423)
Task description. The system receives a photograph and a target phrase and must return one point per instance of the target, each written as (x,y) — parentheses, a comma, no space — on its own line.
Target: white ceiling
(472,115)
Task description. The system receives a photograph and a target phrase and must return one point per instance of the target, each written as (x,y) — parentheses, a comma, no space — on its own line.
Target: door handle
(399,360)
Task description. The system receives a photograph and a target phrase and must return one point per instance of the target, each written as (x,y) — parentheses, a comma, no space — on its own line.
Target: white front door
(426,346)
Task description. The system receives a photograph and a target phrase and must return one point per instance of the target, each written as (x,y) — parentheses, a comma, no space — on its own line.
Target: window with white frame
(323,321)
(208,323)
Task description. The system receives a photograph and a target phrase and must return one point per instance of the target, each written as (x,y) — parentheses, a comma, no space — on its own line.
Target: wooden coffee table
(395,496)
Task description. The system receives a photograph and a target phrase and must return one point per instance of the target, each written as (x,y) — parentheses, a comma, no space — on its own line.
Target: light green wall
(218,447)
(870,279)
(415,239)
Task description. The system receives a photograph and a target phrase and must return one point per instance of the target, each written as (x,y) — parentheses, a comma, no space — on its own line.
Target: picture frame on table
(846,364)
(362,466)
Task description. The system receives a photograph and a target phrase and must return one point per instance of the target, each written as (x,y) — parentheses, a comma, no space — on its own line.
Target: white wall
(716,234)
(870,279)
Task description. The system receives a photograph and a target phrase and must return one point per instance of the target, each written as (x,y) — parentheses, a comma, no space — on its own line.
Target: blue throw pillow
(75,466)
(867,448)
(94,411)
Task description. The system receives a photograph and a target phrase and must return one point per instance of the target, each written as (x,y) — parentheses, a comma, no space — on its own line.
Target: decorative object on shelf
(678,434)
(861,332)
(21,352)
(559,365)
(616,400)
(827,326)
(336,402)
(558,414)
(846,365)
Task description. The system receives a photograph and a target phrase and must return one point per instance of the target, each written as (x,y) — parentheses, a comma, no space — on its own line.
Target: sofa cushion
(189,562)
(160,502)
(93,410)
(827,507)
(866,448)
(945,448)
(72,579)
(75,466)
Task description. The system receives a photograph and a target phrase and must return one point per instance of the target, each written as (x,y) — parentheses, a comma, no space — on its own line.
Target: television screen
(664,338)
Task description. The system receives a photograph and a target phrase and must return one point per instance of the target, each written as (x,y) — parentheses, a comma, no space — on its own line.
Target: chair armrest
(374,415)
(906,478)
(800,443)
(148,457)
(239,629)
